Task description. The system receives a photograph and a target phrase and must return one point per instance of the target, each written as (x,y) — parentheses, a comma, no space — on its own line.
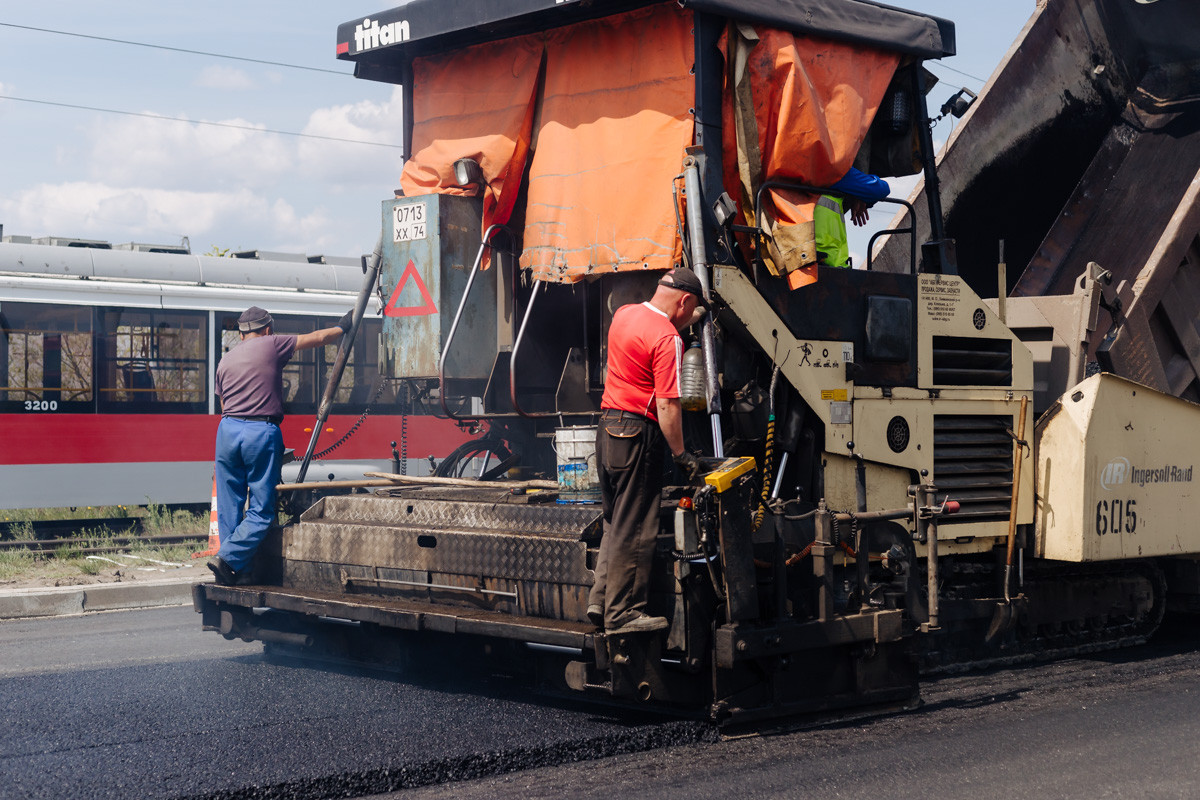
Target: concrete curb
(64,600)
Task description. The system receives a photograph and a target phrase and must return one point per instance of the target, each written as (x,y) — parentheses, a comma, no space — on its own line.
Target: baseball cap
(253,319)
(684,280)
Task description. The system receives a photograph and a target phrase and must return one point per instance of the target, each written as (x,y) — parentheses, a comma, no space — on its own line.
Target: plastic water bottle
(693,388)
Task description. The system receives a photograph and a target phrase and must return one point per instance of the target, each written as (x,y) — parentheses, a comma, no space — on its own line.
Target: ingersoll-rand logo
(1119,514)
(1114,472)
(1120,472)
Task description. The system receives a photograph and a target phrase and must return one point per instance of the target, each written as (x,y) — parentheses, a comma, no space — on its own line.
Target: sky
(96,175)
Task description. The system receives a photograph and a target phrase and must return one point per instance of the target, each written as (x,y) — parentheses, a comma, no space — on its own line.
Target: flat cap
(684,280)
(253,319)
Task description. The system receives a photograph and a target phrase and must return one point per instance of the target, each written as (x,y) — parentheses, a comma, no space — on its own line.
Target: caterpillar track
(1063,610)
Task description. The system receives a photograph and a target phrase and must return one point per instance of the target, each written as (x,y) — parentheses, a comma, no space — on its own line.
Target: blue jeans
(249,460)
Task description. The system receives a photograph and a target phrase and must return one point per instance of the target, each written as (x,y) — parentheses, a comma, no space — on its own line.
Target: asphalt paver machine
(876,499)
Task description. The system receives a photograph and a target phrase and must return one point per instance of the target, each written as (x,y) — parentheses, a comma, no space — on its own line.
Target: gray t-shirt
(250,376)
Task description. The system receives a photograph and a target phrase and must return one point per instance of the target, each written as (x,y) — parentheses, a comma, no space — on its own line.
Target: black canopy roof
(422,27)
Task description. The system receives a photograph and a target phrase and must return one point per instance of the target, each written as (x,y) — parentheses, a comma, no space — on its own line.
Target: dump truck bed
(1084,146)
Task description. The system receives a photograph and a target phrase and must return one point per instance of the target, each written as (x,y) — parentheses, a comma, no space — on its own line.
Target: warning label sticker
(423,307)
(940,298)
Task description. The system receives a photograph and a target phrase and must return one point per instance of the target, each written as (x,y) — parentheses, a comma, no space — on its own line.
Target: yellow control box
(722,472)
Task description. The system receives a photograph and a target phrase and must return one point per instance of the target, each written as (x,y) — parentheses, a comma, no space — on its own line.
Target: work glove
(688,464)
(346,322)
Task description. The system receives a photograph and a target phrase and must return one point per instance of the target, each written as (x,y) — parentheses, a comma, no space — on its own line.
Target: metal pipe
(462,304)
(928,156)
(432,481)
(343,355)
(512,360)
(783,459)
(351,579)
(862,554)
(695,224)
(927,533)
(1018,457)
(875,516)
(279,637)
(555,648)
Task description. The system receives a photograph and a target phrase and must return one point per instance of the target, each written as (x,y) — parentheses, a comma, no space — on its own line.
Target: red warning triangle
(394,310)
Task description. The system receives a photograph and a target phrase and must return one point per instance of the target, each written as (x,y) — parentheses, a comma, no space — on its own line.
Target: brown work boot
(225,574)
(643,623)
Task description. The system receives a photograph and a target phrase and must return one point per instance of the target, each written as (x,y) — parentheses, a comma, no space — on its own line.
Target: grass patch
(71,512)
(13,563)
(68,561)
(162,521)
(90,566)
(179,553)
(68,552)
(23,532)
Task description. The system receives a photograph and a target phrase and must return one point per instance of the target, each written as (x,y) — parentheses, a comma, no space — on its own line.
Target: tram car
(107,363)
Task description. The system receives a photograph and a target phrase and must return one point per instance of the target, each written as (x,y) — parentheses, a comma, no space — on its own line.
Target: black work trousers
(629,460)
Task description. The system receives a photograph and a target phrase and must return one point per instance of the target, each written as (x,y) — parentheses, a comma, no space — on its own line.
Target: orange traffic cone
(214,532)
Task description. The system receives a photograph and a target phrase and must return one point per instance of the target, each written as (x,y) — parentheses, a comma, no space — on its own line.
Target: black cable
(196,121)
(173,49)
(362,417)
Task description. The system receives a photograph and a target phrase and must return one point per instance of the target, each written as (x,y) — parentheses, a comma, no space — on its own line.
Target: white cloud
(343,164)
(239,219)
(224,78)
(157,180)
(140,151)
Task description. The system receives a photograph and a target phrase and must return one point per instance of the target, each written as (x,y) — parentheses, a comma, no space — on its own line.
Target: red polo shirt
(644,355)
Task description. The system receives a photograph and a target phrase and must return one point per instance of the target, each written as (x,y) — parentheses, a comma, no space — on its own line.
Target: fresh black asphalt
(142,704)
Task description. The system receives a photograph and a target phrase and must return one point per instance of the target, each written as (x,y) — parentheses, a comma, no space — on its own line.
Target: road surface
(142,704)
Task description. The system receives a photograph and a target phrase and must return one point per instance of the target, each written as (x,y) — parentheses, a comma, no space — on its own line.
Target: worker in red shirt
(640,410)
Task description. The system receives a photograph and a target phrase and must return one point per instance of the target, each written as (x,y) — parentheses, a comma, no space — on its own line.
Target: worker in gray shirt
(249,383)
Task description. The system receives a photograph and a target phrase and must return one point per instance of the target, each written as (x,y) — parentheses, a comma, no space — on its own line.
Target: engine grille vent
(967,361)
(972,463)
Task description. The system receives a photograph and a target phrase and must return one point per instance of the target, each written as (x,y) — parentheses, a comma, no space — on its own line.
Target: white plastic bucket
(578,480)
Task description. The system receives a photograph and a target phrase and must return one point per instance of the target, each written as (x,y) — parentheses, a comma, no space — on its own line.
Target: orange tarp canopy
(476,103)
(608,133)
(615,119)
(813,102)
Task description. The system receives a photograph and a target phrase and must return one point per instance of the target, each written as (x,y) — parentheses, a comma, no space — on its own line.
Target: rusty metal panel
(500,555)
(408,615)
(514,558)
(429,245)
(1158,345)
(572,522)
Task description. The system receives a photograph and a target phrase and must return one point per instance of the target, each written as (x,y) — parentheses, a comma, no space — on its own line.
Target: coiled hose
(768,455)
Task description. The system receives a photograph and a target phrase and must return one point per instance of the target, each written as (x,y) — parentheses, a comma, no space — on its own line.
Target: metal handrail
(512,360)
(804,187)
(462,304)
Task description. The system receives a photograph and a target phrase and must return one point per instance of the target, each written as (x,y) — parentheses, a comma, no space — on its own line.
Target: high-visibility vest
(830,232)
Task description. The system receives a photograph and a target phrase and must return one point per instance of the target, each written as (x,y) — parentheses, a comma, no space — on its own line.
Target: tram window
(152,360)
(46,358)
(361,375)
(301,389)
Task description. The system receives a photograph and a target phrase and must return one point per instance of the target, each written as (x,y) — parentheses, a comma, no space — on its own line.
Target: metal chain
(362,417)
(404,444)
